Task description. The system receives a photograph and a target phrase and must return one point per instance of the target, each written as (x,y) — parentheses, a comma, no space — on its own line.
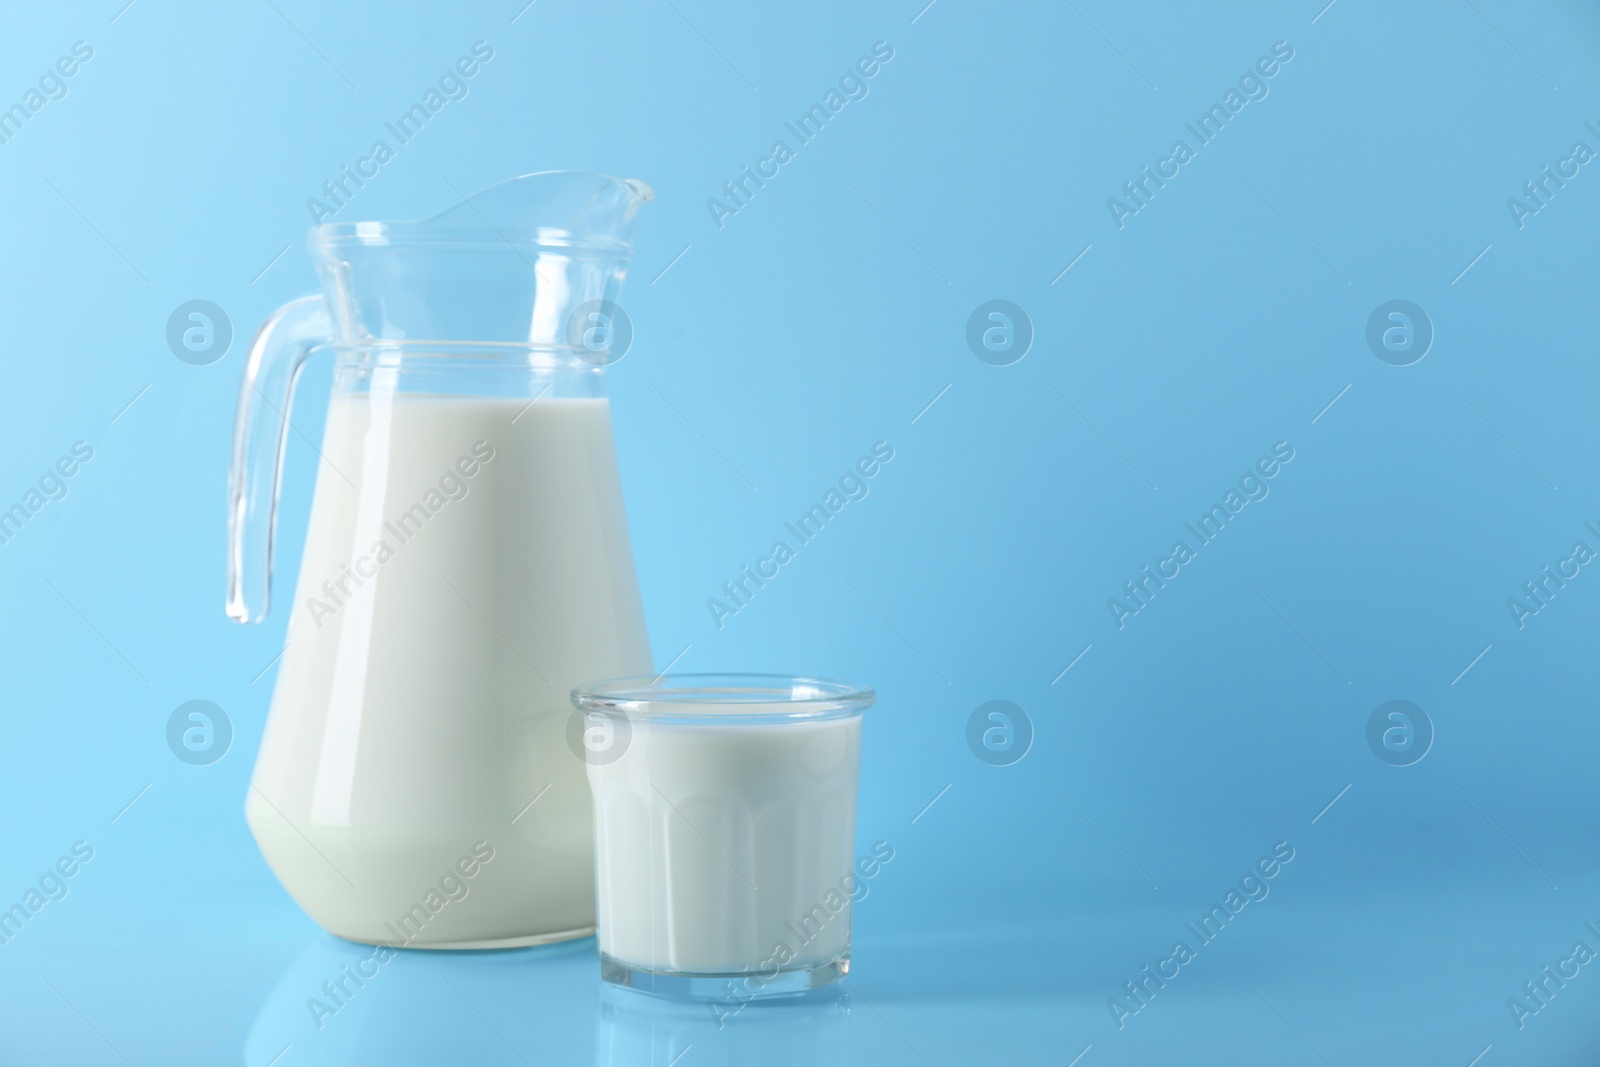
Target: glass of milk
(725,809)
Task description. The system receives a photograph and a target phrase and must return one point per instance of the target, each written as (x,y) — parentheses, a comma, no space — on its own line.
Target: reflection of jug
(338,1004)
(467,563)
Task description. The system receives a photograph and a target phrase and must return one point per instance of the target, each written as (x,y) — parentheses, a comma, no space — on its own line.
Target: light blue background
(825,316)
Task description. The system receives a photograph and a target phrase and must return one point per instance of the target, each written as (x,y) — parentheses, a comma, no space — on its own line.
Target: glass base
(737,985)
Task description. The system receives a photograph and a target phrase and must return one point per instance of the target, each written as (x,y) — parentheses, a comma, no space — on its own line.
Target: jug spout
(554,207)
(508,265)
(551,207)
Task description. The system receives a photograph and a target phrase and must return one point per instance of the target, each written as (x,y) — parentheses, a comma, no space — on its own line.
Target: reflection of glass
(725,831)
(643,1031)
(466,563)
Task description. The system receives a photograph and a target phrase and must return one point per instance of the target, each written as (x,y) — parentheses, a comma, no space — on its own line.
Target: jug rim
(428,232)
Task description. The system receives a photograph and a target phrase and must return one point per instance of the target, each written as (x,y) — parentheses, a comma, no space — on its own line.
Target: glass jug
(466,564)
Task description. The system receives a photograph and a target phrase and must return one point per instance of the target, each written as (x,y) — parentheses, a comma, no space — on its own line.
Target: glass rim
(724,698)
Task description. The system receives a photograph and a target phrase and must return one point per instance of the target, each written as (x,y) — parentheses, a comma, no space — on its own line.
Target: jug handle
(260,432)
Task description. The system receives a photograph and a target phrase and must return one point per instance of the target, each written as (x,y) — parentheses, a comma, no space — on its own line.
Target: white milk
(421,705)
(717,844)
